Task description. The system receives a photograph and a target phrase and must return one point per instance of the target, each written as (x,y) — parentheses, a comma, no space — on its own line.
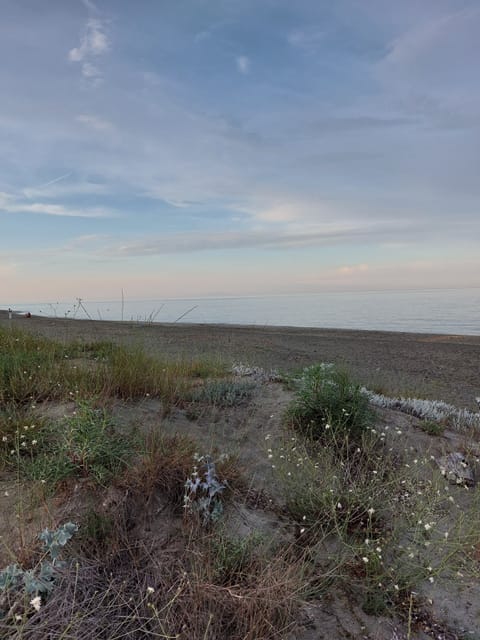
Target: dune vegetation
(198,498)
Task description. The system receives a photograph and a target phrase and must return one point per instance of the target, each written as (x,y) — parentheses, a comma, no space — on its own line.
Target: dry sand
(442,367)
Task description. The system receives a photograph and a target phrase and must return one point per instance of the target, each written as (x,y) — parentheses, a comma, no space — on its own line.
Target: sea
(445,311)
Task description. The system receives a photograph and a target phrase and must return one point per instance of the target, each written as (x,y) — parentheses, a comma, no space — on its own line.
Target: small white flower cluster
(20,439)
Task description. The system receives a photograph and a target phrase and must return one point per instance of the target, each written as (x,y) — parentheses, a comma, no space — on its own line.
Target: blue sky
(234,147)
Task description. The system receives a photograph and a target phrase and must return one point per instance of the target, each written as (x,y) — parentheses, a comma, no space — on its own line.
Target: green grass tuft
(85,445)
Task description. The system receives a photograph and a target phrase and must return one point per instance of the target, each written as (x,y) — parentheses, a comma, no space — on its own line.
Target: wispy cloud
(94,122)
(89,70)
(267,239)
(93,43)
(55,180)
(429,62)
(336,124)
(12,204)
(59,189)
(243,64)
(309,38)
(351,269)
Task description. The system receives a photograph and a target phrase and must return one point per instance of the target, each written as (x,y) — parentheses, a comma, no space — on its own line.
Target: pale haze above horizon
(237,147)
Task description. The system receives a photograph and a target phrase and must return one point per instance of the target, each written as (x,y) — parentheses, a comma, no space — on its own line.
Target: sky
(176,148)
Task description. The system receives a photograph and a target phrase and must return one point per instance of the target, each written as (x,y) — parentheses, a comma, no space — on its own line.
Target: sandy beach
(443,367)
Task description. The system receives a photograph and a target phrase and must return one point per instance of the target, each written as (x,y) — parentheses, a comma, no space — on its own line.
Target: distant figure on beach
(28,314)
(9,313)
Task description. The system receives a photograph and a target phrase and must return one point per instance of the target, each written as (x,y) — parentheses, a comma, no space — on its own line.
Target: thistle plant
(40,579)
(203,492)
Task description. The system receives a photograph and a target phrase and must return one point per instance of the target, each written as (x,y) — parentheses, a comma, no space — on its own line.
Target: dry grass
(145,593)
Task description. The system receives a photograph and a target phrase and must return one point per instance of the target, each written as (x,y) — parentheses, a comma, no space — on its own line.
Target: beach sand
(442,367)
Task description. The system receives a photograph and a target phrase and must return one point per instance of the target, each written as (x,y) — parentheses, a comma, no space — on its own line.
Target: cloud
(202,241)
(94,122)
(433,57)
(89,70)
(55,180)
(11,204)
(308,39)
(94,42)
(67,189)
(202,35)
(287,211)
(337,124)
(357,268)
(82,242)
(243,64)
(61,210)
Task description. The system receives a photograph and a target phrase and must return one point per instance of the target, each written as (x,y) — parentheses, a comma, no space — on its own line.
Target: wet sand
(444,367)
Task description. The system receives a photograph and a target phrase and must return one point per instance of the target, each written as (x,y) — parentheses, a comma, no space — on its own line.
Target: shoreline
(17,316)
(438,366)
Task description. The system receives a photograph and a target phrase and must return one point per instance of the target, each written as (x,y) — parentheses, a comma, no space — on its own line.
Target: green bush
(328,405)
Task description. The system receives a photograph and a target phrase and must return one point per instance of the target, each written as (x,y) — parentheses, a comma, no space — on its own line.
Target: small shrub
(328,404)
(432,427)
(223,393)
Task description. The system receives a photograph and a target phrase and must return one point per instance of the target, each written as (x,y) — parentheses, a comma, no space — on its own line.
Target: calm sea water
(455,311)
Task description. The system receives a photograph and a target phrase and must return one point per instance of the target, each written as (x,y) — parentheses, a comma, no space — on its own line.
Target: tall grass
(33,369)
